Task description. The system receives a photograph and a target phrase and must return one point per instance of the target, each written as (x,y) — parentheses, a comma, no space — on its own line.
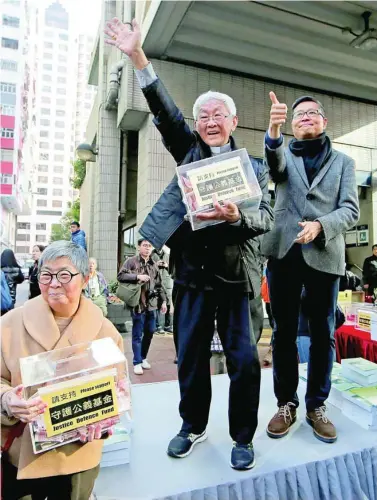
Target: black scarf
(314,152)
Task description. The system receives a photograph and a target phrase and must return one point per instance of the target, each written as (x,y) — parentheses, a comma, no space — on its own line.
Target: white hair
(73,252)
(209,96)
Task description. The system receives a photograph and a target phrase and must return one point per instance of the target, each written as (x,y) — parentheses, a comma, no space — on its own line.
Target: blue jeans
(143,328)
(286,278)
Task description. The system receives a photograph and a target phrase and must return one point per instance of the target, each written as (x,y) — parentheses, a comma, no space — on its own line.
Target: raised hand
(128,39)
(278,116)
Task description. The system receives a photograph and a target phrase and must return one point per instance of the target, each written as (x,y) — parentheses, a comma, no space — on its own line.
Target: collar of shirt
(218,150)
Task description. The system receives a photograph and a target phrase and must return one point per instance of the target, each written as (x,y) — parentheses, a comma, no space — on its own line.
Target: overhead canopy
(299,43)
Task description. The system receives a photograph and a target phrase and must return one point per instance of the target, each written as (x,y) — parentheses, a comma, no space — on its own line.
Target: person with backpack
(6,299)
(12,271)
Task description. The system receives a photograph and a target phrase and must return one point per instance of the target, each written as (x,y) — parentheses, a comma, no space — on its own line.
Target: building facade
(16,96)
(133,167)
(63,102)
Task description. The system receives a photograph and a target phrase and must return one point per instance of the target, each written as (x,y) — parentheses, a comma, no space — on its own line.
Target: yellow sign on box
(345,297)
(364,320)
(78,403)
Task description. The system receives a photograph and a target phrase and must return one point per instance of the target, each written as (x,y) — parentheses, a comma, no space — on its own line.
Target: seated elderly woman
(60,317)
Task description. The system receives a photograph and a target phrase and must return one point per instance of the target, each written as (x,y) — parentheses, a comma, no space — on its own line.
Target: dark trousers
(257,317)
(77,486)
(194,315)
(143,328)
(286,277)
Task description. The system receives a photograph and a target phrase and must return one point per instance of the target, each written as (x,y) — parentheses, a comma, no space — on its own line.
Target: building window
(49,34)
(40,226)
(62,69)
(60,112)
(46,99)
(63,47)
(50,212)
(42,168)
(87,105)
(40,238)
(57,192)
(9,43)
(47,78)
(59,158)
(7,133)
(14,22)
(23,237)
(57,203)
(61,91)
(22,249)
(23,225)
(45,111)
(63,36)
(47,55)
(43,133)
(60,102)
(7,155)
(58,169)
(46,88)
(42,179)
(57,180)
(42,191)
(59,124)
(9,65)
(48,45)
(48,67)
(62,58)
(58,147)
(59,135)
(41,203)
(8,88)
(62,79)
(45,122)
(7,109)
(44,145)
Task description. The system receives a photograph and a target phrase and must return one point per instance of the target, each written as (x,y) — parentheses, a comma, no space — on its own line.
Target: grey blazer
(332,200)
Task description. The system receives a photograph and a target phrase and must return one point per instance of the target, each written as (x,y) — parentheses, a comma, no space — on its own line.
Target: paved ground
(162,352)
(161,357)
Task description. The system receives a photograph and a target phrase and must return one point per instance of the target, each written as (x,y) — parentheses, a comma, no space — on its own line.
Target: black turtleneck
(314,152)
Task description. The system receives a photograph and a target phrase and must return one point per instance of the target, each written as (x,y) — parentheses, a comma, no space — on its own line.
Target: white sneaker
(146,365)
(138,369)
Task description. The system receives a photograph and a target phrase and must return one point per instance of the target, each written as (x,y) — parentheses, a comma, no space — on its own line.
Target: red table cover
(352,343)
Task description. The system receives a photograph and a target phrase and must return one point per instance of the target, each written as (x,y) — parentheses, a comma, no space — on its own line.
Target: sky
(84,14)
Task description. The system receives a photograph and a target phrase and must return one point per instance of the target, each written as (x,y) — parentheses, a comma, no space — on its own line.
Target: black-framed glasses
(63,276)
(310,113)
(217,117)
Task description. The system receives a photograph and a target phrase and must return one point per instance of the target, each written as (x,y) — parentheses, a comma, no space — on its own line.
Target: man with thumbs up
(316,202)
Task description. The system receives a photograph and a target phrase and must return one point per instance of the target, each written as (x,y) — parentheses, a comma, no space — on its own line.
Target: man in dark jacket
(370,273)
(216,269)
(142,269)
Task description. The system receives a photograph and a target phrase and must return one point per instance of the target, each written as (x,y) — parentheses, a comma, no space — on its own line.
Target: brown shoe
(282,420)
(323,429)
(267,360)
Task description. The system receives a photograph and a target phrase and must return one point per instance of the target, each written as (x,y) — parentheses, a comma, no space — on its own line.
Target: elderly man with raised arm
(316,202)
(216,269)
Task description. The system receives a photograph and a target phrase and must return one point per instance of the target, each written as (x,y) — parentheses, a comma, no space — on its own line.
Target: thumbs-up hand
(278,116)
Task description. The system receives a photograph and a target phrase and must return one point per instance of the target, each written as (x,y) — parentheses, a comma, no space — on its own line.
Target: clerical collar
(220,149)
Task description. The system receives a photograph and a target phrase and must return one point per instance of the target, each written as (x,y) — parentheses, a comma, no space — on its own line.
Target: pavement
(162,353)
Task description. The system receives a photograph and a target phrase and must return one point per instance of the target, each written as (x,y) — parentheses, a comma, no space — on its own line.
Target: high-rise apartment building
(63,104)
(85,94)
(16,96)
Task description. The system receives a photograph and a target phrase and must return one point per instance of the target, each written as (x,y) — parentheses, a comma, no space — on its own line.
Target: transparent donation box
(81,385)
(229,176)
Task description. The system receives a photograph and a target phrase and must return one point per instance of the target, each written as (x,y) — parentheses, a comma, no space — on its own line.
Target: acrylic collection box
(229,176)
(82,384)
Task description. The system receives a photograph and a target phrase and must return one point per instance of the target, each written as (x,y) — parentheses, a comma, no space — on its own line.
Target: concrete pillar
(106,178)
